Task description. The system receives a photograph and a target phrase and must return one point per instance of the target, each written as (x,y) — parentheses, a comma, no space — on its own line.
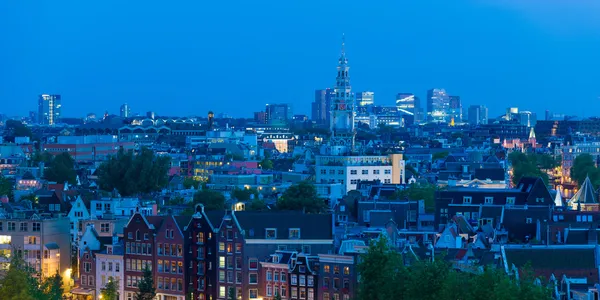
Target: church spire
(342,109)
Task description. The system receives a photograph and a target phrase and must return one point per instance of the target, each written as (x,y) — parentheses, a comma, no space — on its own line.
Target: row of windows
(280,290)
(293,233)
(355,172)
(173,267)
(490,200)
(228,277)
(172,284)
(275,276)
(229,247)
(335,296)
(87,280)
(110,266)
(229,264)
(336,283)
(23,226)
(170,250)
(304,280)
(138,248)
(137,265)
(336,269)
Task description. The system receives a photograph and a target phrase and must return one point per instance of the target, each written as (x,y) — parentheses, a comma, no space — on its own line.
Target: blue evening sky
(188,57)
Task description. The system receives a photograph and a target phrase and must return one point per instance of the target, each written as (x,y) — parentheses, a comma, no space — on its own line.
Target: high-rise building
(438,106)
(407,103)
(478,114)
(49,109)
(278,114)
(260,117)
(455,113)
(342,110)
(321,107)
(125,111)
(365,98)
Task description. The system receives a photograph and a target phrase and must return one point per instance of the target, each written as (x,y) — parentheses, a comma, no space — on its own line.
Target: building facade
(478,114)
(49,109)
(342,110)
(438,106)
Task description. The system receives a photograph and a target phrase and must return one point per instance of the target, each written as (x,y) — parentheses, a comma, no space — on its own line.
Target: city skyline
(185,67)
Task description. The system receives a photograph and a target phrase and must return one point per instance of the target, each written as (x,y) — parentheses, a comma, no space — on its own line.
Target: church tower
(342,110)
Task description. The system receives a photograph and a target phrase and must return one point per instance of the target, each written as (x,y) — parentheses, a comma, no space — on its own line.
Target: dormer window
(271,233)
(467,200)
(294,233)
(510,200)
(489,200)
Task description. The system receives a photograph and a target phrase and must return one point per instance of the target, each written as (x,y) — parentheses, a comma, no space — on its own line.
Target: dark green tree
(52,287)
(134,174)
(257,205)
(277,297)
(524,165)
(61,169)
(584,166)
(244,194)
(382,273)
(231,294)
(111,289)
(266,164)
(212,200)
(301,196)
(439,155)
(16,128)
(419,192)
(6,187)
(20,282)
(39,157)
(146,289)
(189,182)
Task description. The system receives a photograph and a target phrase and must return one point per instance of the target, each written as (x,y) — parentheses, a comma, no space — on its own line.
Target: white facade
(109,266)
(349,170)
(77,213)
(119,207)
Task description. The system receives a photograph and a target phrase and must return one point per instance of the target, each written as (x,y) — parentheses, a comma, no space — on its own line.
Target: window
(253,293)
(326,296)
(489,200)
(269,290)
(294,293)
(528,221)
(238,277)
(271,233)
(387,172)
(294,279)
(238,262)
(103,266)
(365,172)
(331,172)
(253,264)
(253,278)
(467,200)
(387,181)
(302,294)
(323,172)
(145,236)
(117,267)
(99,206)
(346,270)
(229,276)
(221,276)
(229,262)
(222,262)
(353,172)
(104,227)
(23,226)
(238,248)
(340,172)
(510,200)
(130,235)
(346,283)
(221,247)
(269,275)
(11,226)
(336,283)
(222,291)
(376,172)
(283,277)
(310,280)
(275,276)
(302,280)
(336,270)
(294,233)
(36,226)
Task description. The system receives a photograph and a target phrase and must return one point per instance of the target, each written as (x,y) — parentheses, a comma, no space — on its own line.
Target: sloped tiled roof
(586,194)
(312,226)
(552,258)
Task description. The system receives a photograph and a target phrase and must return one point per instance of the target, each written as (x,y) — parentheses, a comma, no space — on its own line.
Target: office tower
(321,107)
(478,114)
(260,117)
(278,114)
(455,112)
(438,106)
(342,110)
(527,118)
(49,109)
(407,103)
(125,111)
(365,98)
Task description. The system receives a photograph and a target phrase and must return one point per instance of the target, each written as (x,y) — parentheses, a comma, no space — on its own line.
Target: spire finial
(343,43)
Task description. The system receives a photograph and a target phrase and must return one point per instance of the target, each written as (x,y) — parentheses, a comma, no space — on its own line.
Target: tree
(301,196)
(266,164)
(212,200)
(439,155)
(111,289)
(39,157)
(524,165)
(133,174)
(52,287)
(585,166)
(244,194)
(6,187)
(16,129)
(61,169)
(231,294)
(419,192)
(190,182)
(19,283)
(257,205)
(382,272)
(146,289)
(277,296)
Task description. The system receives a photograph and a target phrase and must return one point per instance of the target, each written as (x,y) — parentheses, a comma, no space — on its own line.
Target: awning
(82,291)
(52,246)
